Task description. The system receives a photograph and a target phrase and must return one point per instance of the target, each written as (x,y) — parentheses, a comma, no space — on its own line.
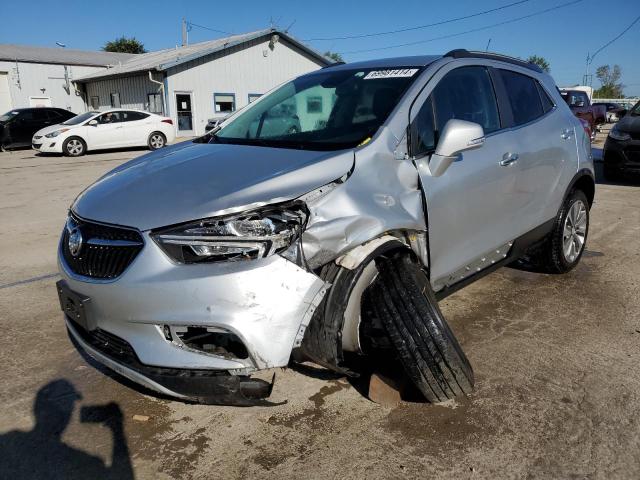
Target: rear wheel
(156,140)
(562,251)
(74,147)
(402,299)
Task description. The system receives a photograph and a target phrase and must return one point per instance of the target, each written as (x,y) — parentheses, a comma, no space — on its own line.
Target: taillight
(168,120)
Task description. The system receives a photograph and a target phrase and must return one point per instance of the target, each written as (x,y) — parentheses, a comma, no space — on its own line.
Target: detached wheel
(156,141)
(74,147)
(402,299)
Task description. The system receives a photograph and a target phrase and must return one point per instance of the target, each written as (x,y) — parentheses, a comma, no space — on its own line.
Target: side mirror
(93,123)
(457,136)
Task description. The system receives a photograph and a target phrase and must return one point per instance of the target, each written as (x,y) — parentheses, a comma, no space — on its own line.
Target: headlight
(618,135)
(56,133)
(245,236)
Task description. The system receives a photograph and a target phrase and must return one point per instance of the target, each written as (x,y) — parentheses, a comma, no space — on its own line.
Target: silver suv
(189,269)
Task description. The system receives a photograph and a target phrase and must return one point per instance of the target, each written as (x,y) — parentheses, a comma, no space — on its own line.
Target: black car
(18,126)
(622,148)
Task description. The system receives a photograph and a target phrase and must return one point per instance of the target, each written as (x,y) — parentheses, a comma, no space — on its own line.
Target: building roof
(171,57)
(63,56)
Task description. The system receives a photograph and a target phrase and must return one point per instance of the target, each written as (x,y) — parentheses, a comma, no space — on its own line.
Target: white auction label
(395,73)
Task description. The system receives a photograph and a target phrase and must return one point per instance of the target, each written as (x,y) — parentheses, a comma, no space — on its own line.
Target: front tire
(74,147)
(402,299)
(156,141)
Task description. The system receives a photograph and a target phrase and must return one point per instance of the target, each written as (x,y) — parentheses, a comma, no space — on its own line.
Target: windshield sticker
(396,73)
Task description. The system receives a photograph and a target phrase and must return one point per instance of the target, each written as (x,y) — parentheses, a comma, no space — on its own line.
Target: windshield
(80,118)
(327,110)
(9,115)
(636,109)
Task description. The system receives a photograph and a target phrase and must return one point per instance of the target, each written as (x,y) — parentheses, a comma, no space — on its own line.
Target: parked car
(18,126)
(116,128)
(621,154)
(580,105)
(188,270)
(615,111)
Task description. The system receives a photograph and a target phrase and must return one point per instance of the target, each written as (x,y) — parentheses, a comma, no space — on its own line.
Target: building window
(314,104)
(224,102)
(95,103)
(115,100)
(254,96)
(155,103)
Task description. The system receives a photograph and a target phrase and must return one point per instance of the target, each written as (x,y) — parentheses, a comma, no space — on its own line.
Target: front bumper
(46,145)
(622,155)
(266,303)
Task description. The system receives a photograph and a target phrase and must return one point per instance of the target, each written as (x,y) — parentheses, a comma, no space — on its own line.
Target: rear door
(471,215)
(136,127)
(108,133)
(546,148)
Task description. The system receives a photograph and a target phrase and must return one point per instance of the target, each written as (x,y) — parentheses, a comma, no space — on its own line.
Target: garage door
(5,96)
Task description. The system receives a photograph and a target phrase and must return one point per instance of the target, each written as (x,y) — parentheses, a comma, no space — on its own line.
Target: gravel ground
(555,359)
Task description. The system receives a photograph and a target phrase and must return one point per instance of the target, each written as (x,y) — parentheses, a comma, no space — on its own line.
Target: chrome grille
(105,251)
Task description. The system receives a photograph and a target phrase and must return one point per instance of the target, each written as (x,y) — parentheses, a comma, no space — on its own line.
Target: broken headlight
(245,236)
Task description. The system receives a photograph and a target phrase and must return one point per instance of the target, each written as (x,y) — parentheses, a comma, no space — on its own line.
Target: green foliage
(124,45)
(335,56)
(540,61)
(610,80)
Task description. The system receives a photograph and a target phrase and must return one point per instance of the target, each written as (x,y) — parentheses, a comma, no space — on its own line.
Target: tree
(610,80)
(540,61)
(335,56)
(124,45)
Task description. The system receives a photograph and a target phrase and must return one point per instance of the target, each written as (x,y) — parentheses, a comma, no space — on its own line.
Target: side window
(133,116)
(40,115)
(110,117)
(523,96)
(547,103)
(423,131)
(466,94)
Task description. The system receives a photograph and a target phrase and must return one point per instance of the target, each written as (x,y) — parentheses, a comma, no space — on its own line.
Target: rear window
(523,96)
(547,103)
(133,116)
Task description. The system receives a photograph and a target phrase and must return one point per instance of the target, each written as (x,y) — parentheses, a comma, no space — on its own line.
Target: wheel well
(587,185)
(159,132)
(76,137)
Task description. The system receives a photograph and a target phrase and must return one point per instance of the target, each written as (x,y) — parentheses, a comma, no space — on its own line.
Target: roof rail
(462,53)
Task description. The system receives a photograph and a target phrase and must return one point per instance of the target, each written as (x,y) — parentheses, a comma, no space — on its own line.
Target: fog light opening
(212,340)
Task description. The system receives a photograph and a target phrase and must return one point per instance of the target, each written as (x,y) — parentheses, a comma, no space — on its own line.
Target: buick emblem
(75,242)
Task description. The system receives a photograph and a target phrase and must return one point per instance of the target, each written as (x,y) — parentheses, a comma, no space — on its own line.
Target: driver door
(107,133)
(470,209)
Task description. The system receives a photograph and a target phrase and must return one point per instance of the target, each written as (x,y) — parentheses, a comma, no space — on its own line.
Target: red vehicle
(581,107)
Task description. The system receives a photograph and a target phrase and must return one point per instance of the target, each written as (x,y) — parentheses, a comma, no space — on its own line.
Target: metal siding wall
(133,91)
(241,70)
(35,76)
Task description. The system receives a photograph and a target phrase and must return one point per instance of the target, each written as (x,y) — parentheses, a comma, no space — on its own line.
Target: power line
(591,57)
(466,31)
(408,29)
(190,24)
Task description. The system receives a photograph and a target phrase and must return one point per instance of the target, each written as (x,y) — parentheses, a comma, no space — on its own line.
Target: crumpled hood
(189,181)
(629,123)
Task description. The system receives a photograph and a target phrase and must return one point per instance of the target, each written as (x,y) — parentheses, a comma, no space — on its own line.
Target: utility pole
(185,39)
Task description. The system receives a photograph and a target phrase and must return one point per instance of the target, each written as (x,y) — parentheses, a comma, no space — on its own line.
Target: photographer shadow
(40,452)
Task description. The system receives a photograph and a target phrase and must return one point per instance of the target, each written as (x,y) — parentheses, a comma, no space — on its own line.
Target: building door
(5,95)
(185,114)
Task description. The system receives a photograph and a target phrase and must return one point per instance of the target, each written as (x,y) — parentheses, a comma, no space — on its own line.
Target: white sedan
(115,128)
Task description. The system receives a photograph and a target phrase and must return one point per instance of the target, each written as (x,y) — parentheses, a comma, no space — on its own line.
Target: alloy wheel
(74,147)
(156,141)
(575,231)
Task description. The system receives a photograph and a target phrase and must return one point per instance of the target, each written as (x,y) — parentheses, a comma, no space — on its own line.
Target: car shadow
(96,152)
(41,453)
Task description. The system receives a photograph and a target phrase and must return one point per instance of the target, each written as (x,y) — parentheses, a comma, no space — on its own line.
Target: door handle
(566,133)
(509,159)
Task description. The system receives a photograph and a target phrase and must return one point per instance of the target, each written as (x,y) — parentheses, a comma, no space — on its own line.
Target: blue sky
(564,36)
